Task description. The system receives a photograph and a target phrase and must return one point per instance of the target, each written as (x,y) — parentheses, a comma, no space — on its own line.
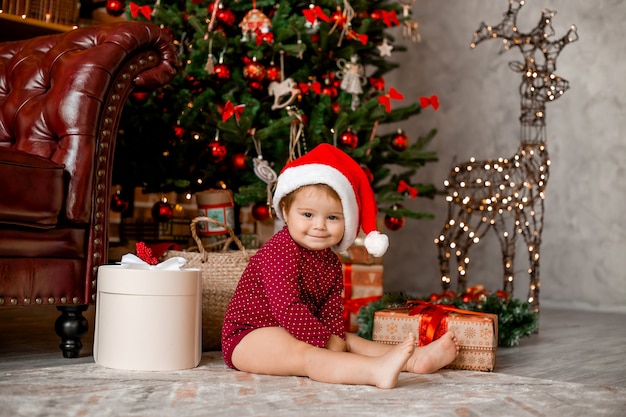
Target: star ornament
(385,48)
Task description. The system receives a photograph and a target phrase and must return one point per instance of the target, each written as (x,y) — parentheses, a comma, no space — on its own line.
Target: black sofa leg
(71,326)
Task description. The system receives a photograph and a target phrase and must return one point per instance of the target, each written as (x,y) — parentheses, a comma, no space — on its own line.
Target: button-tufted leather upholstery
(61,99)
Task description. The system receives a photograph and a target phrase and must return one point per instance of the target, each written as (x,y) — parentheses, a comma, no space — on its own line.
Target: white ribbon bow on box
(172,264)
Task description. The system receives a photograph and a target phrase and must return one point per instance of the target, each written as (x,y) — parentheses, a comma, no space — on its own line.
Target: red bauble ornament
(239,161)
(394,222)
(261,212)
(217,152)
(272,73)
(338,18)
(162,211)
(226,16)
(118,203)
(221,72)
(115,7)
(349,139)
(400,142)
(254,71)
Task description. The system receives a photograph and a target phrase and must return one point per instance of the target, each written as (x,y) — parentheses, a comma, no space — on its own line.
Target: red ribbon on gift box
(433,325)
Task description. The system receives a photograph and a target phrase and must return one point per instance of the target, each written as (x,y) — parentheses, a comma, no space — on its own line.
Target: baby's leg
(274,351)
(426,359)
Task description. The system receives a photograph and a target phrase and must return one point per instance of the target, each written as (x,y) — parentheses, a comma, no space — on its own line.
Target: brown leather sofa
(61,98)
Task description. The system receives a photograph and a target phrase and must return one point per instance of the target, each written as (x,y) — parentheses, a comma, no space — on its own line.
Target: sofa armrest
(61,98)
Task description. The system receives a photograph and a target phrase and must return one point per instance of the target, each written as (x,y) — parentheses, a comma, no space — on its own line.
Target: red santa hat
(327,164)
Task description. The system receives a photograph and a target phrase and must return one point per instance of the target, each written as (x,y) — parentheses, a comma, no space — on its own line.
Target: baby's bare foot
(434,356)
(393,362)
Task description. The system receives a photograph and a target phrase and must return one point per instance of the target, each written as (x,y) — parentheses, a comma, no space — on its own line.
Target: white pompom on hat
(327,164)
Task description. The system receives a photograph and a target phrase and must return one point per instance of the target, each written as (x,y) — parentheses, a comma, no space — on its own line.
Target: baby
(285,317)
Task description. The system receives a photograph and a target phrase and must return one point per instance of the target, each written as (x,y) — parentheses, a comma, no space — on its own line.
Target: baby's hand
(336,344)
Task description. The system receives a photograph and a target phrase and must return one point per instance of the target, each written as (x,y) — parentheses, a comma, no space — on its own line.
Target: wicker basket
(220,274)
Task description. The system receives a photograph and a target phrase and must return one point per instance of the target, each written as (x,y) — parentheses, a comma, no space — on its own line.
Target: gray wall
(583,262)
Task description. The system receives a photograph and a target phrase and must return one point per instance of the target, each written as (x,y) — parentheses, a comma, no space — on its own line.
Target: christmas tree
(260,83)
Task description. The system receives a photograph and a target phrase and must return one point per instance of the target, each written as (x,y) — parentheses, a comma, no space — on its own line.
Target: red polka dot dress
(288,286)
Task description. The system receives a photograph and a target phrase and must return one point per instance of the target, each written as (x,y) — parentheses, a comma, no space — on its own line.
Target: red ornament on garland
(261,212)
(349,139)
(394,223)
(400,142)
(162,211)
(217,152)
(118,203)
(115,7)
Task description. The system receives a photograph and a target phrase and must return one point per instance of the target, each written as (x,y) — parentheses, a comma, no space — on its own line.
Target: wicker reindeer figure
(507,194)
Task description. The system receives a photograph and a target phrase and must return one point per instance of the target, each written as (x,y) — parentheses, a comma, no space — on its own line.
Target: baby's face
(315,219)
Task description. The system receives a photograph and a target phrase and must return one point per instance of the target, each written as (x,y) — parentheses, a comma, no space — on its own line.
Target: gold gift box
(476,333)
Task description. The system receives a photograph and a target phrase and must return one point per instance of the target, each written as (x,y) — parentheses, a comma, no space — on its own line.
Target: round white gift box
(148,319)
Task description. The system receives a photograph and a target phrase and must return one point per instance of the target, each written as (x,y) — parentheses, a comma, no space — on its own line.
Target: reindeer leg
(533,222)
(456,238)
(504,227)
(447,237)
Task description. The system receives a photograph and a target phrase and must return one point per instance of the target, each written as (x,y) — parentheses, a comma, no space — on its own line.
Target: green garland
(515,318)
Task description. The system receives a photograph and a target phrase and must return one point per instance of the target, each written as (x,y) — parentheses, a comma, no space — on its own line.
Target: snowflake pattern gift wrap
(476,332)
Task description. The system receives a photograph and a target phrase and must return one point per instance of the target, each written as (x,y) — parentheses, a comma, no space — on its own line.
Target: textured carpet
(211,389)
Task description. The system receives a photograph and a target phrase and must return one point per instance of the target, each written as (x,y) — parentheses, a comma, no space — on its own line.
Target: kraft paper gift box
(148,319)
(362,284)
(476,333)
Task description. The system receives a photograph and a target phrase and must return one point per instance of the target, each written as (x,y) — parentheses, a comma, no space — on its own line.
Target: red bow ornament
(403,187)
(390,18)
(230,110)
(354,35)
(315,13)
(135,9)
(432,101)
(260,37)
(315,86)
(386,99)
